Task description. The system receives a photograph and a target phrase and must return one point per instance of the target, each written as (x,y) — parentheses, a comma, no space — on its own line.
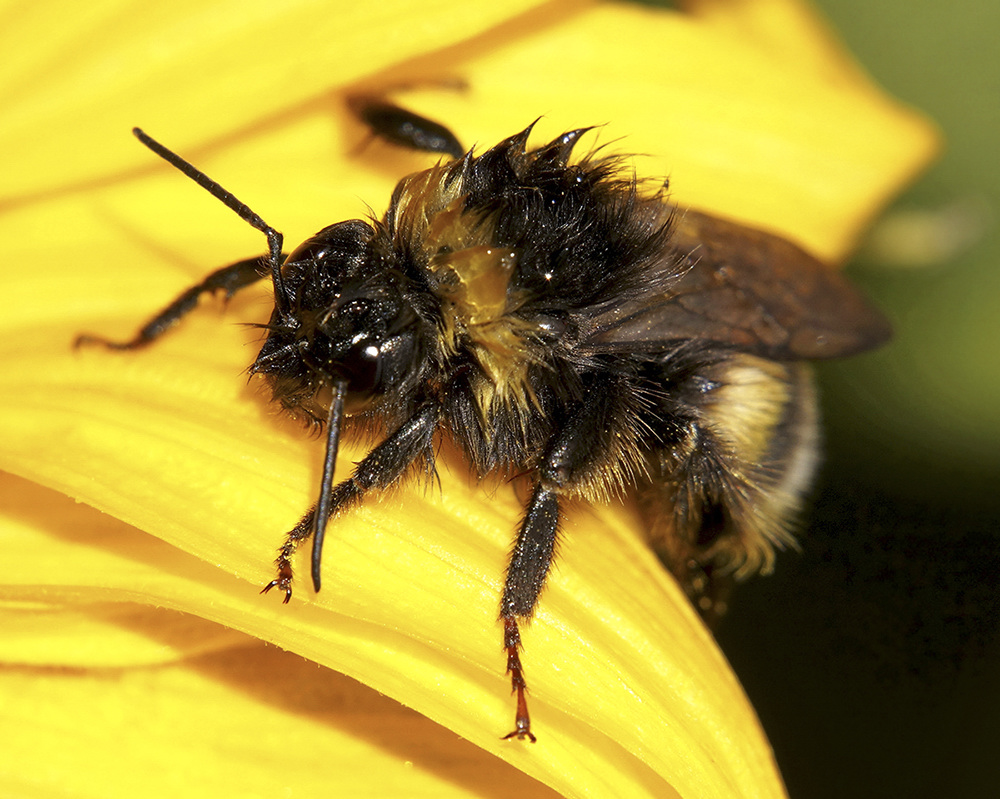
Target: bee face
(555,320)
(348,318)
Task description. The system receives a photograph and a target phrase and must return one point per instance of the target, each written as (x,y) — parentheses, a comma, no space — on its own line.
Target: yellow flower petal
(790,30)
(75,79)
(152,702)
(252,721)
(629,693)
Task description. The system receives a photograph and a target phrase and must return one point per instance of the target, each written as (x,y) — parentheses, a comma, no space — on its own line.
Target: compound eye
(314,249)
(361,365)
(344,240)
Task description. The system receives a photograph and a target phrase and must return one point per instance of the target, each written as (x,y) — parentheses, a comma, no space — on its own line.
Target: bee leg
(283,562)
(381,467)
(229,280)
(405,128)
(581,447)
(529,563)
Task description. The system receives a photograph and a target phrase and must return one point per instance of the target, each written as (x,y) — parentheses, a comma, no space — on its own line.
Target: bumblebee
(555,318)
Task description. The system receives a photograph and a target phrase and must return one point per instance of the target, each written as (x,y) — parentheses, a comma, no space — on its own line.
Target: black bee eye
(361,365)
(315,249)
(342,242)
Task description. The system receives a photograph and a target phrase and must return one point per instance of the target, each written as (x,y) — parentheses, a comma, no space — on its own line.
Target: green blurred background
(873,657)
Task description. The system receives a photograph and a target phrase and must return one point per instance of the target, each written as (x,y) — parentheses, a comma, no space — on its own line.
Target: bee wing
(742,288)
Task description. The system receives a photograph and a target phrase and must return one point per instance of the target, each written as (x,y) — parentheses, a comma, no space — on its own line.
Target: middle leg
(591,455)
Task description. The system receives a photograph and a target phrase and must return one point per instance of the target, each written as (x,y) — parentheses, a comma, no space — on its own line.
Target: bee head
(344,318)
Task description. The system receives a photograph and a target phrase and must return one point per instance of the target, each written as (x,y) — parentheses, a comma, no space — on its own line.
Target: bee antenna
(274,238)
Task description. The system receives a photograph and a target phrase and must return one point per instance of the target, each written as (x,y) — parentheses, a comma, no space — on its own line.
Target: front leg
(229,280)
(583,448)
(382,467)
